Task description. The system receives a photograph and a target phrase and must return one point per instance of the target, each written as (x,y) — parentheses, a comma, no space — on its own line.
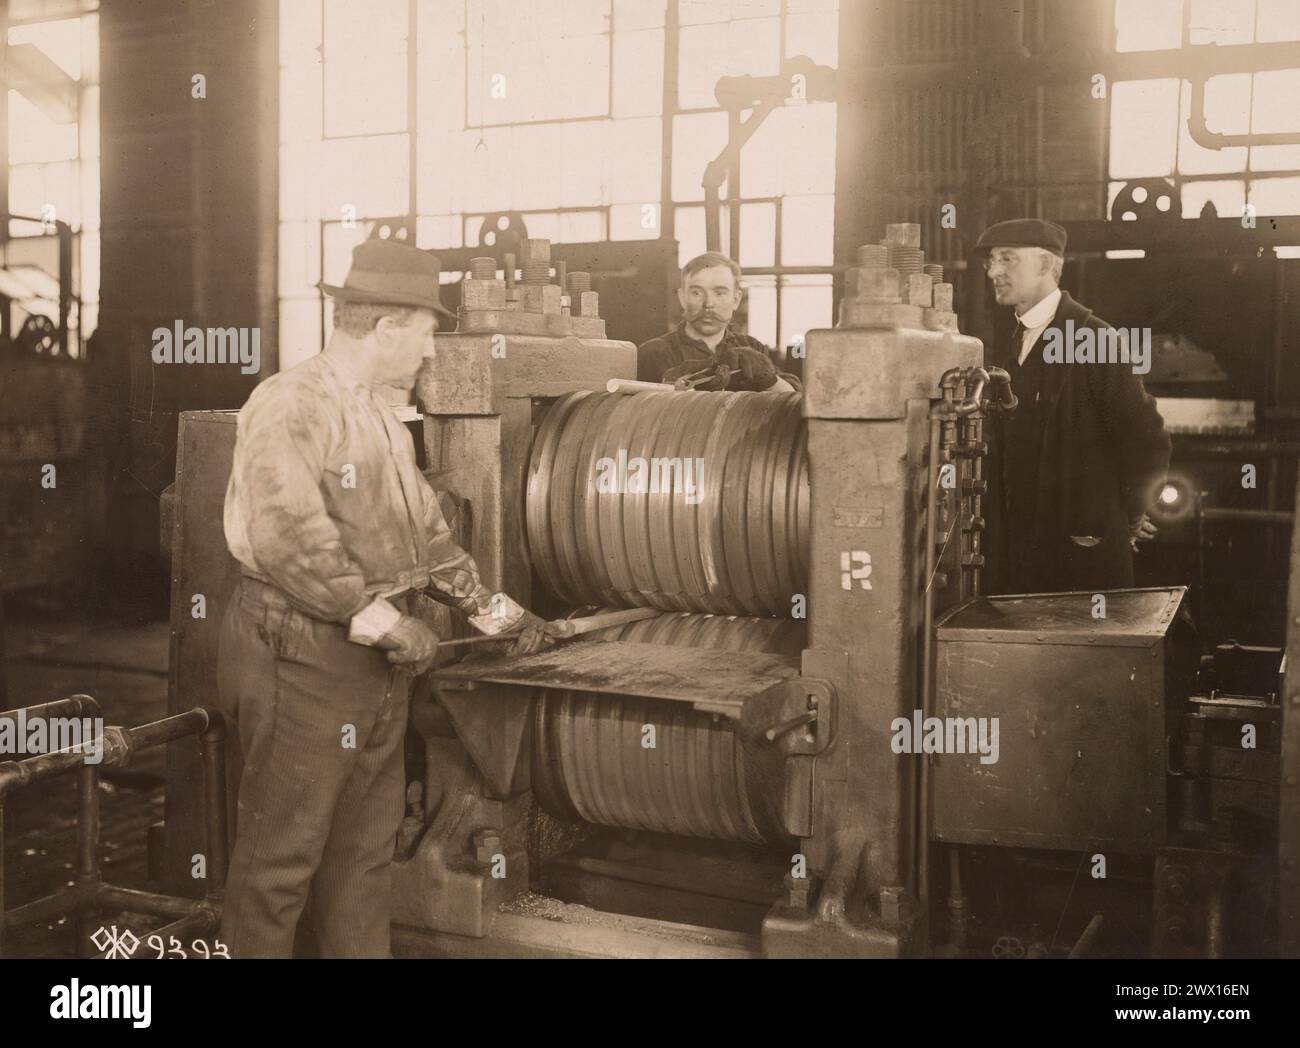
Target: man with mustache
(709,296)
(1078,465)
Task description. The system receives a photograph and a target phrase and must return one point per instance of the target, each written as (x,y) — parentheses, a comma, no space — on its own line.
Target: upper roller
(716,521)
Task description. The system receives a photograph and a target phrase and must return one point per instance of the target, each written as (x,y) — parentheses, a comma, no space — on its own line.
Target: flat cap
(1023,232)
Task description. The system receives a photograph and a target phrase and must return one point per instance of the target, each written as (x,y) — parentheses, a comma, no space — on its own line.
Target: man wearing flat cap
(337,533)
(1078,465)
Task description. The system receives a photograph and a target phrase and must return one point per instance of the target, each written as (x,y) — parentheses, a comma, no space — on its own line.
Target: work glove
(410,645)
(537,635)
(751,369)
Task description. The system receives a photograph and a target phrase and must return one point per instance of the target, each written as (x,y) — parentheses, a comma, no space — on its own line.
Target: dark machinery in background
(43,473)
(724,779)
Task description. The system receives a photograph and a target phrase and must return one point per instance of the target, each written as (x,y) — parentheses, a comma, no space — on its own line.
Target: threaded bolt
(483,268)
(579,282)
(873,256)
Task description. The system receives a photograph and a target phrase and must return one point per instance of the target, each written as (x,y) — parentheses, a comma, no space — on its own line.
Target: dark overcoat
(1103,455)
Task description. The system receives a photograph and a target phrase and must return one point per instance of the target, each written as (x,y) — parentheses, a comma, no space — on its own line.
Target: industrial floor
(52,651)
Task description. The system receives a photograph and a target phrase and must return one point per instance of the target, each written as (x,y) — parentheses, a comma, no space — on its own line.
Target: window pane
(635,161)
(365,67)
(483,180)
(639,73)
(300,165)
(708,52)
(1222,21)
(88,131)
(90,49)
(1143,127)
(299,331)
(59,41)
(302,104)
(300,32)
(757,235)
(439,231)
(365,95)
(1278,20)
(26,190)
(583,17)
(697,139)
(299,258)
(544,224)
(699,12)
(1227,104)
(513,72)
(583,151)
(792,152)
(539,166)
(367,173)
(808,161)
(688,229)
(1148,25)
(1275,158)
(581,227)
(639,14)
(376,27)
(808,230)
(816,35)
(1229,198)
(635,221)
(1275,196)
(805,304)
(87,183)
(34,137)
(760,299)
(1277,100)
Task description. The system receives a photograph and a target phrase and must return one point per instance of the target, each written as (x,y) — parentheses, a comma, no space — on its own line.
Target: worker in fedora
(335,530)
(1079,463)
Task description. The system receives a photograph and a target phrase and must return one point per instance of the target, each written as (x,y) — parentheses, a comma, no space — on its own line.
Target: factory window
(554,109)
(51,169)
(787,170)
(1149,135)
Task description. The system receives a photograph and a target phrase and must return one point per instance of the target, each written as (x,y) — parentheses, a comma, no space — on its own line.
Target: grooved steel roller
(714,518)
(701,778)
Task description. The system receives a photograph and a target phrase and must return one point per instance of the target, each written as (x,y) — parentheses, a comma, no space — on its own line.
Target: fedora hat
(389,273)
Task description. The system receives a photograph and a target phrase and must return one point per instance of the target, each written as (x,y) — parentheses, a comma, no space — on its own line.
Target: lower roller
(701,778)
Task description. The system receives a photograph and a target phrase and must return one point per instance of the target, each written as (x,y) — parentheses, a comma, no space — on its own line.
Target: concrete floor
(53,651)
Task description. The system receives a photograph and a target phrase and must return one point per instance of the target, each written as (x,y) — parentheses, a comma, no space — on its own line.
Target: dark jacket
(1102,454)
(676,347)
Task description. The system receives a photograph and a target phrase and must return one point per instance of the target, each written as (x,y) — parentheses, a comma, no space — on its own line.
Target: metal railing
(89,893)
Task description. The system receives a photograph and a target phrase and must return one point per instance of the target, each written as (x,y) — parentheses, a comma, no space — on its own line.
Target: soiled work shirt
(325,500)
(676,347)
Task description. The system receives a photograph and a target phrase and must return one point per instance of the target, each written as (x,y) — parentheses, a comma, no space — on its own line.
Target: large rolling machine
(823,740)
(786,540)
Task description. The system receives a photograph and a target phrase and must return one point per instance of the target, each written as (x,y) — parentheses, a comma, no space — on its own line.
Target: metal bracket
(798,715)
